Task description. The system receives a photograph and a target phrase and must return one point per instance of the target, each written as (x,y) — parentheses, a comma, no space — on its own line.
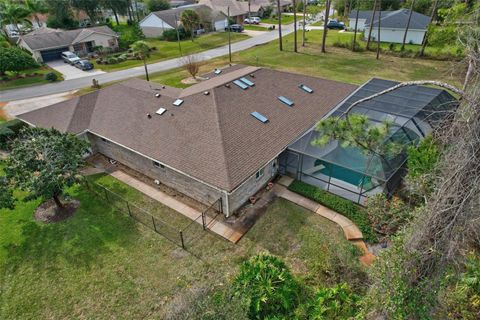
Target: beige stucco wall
(101,40)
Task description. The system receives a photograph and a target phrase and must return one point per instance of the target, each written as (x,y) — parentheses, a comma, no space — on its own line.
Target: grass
(36,79)
(337,64)
(169,49)
(101,264)
(286,19)
(255,28)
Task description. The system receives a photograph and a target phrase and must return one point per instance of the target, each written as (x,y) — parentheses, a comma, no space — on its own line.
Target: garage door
(53,54)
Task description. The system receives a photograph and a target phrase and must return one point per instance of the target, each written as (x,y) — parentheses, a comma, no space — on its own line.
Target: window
(177,102)
(158,164)
(259,173)
(305,88)
(240,84)
(286,101)
(260,117)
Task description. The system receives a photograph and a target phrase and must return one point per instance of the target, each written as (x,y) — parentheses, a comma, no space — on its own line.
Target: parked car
(84,65)
(70,57)
(234,28)
(335,24)
(252,20)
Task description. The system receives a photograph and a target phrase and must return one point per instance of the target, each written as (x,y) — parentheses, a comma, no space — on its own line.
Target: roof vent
(217,71)
(149,116)
(206,93)
(178,102)
(157,95)
(252,75)
(227,85)
(163,87)
(161,111)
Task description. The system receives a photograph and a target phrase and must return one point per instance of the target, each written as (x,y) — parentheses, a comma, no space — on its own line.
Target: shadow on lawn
(79,240)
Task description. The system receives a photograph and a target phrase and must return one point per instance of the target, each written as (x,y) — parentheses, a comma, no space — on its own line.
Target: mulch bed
(47,212)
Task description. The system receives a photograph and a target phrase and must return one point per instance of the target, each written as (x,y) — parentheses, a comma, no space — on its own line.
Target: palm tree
(408,25)
(142,51)
(371,24)
(190,20)
(295,25)
(13,13)
(36,7)
(279,15)
(327,12)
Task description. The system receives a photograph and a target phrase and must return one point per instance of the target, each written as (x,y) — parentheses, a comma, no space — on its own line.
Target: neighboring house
(228,136)
(238,9)
(179,3)
(392,25)
(258,7)
(154,24)
(47,44)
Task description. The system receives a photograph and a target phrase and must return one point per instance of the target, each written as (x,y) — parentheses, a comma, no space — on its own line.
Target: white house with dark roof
(392,25)
(47,44)
(154,24)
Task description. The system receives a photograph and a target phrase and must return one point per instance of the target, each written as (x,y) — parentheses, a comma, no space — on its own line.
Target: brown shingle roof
(211,137)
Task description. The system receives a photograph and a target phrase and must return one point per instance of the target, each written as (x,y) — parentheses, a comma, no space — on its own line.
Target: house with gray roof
(392,25)
(47,44)
(228,136)
(154,24)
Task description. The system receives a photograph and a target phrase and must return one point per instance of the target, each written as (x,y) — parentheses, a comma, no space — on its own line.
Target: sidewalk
(351,231)
(215,226)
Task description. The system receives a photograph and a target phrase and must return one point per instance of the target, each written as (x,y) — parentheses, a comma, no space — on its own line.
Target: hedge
(343,206)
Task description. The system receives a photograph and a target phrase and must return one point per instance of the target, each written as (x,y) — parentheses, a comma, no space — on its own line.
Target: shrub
(338,204)
(171,34)
(267,283)
(9,131)
(112,60)
(338,302)
(130,35)
(15,59)
(51,76)
(158,5)
(388,215)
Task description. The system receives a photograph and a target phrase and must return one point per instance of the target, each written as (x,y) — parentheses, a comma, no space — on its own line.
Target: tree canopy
(15,59)
(158,5)
(43,162)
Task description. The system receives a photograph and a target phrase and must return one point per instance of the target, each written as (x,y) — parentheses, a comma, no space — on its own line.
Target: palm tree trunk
(425,38)
(371,23)
(327,12)
(295,26)
(408,26)
(304,18)
(378,30)
(146,69)
(355,31)
(279,16)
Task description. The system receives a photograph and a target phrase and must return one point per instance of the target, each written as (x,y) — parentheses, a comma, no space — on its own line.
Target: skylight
(260,117)
(241,84)
(286,101)
(161,111)
(247,82)
(305,88)
(177,102)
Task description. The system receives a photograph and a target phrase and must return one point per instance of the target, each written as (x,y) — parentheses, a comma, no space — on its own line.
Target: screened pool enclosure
(353,173)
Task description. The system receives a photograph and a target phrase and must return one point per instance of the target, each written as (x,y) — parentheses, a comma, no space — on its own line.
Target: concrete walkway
(351,231)
(73,84)
(215,226)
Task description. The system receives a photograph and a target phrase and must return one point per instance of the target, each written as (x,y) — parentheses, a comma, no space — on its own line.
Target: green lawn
(255,28)
(32,77)
(101,264)
(169,49)
(286,19)
(337,64)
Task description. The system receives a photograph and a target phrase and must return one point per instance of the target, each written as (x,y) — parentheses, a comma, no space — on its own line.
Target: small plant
(338,302)
(112,60)
(192,65)
(51,76)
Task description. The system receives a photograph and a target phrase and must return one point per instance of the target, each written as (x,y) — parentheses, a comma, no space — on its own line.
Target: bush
(338,204)
(51,76)
(9,131)
(338,302)
(130,35)
(267,283)
(15,59)
(171,34)
(158,5)
(112,60)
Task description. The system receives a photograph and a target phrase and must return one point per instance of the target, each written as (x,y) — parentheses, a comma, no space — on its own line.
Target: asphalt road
(73,84)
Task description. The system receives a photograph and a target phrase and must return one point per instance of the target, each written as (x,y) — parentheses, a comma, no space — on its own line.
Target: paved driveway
(70,72)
